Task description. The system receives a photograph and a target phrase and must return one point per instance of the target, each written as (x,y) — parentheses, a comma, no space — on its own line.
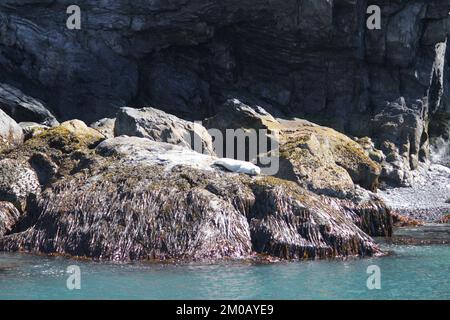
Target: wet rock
(289,222)
(9,216)
(23,108)
(160,126)
(11,133)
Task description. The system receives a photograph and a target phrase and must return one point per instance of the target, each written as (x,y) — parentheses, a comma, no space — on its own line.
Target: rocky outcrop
(319,158)
(309,59)
(23,108)
(160,126)
(130,198)
(11,133)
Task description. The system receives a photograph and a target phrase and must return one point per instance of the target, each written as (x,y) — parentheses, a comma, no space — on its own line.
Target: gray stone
(105,126)
(11,133)
(142,150)
(160,126)
(23,108)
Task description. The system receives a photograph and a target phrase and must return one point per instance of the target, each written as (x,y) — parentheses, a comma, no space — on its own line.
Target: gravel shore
(427,199)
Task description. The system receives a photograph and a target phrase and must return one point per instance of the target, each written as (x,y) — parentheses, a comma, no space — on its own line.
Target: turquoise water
(412,272)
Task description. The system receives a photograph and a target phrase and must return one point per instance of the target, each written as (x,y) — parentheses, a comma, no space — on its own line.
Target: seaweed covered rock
(160,126)
(289,222)
(17,183)
(128,204)
(9,216)
(128,213)
(11,133)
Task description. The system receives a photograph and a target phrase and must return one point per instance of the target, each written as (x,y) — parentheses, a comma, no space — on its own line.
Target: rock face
(310,59)
(23,108)
(11,133)
(160,126)
(132,186)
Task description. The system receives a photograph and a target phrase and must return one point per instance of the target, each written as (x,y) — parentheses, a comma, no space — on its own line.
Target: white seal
(238,166)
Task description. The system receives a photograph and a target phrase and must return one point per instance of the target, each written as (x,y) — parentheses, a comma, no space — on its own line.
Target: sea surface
(409,272)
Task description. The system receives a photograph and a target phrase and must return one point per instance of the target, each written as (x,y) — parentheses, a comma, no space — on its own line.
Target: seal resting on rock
(238,166)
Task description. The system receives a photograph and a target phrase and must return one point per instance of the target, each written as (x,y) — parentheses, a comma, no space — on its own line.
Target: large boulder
(326,161)
(316,157)
(402,135)
(244,132)
(11,133)
(160,126)
(141,199)
(234,114)
(23,108)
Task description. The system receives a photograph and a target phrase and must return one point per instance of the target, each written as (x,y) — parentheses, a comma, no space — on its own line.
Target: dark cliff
(307,58)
